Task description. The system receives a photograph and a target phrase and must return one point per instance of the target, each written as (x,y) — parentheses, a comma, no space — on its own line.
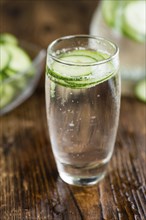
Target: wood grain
(30,187)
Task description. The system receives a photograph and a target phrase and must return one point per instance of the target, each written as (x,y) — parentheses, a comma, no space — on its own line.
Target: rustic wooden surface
(30,187)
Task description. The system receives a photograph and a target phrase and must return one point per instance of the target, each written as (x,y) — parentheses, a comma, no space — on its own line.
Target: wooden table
(30,187)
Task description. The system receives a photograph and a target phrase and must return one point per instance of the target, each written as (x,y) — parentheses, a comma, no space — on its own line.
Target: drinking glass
(82,104)
(123,21)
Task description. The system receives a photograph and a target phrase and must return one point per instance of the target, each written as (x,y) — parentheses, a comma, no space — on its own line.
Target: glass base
(79,181)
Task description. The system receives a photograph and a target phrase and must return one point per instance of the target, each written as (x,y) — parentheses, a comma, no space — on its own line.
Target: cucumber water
(82,103)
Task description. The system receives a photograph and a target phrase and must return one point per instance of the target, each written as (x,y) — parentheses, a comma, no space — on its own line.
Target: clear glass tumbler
(82,104)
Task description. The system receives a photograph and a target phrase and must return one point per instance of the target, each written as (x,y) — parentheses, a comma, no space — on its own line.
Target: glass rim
(68,37)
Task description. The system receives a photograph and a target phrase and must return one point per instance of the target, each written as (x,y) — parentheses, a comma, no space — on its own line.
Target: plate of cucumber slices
(21,65)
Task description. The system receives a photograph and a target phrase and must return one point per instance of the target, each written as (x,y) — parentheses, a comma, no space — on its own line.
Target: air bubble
(93,117)
(71,124)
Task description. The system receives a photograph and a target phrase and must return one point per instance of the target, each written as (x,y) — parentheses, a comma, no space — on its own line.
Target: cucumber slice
(93,54)
(17,81)
(4,57)
(78,76)
(70,71)
(140,90)
(80,84)
(3,76)
(8,72)
(112,12)
(134,20)
(6,94)
(20,61)
(8,38)
(109,10)
(78,57)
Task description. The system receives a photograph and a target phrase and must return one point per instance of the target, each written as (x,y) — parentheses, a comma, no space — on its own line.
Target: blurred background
(40,22)
(43,21)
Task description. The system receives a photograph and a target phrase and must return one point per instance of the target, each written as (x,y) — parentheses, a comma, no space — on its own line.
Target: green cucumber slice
(4,57)
(69,71)
(61,70)
(80,84)
(8,72)
(93,54)
(3,76)
(112,12)
(134,20)
(8,38)
(108,10)
(80,76)
(140,90)
(20,60)
(6,94)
